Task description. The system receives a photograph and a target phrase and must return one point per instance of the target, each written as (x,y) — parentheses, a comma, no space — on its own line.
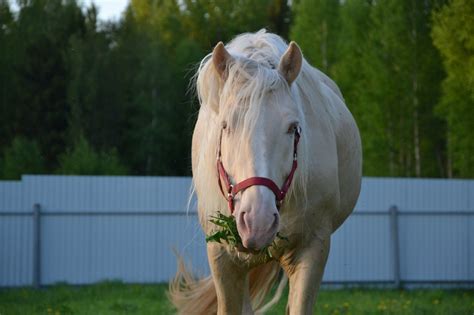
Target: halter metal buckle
(229,193)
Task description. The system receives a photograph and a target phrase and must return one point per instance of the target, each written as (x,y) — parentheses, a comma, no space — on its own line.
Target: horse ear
(220,59)
(290,63)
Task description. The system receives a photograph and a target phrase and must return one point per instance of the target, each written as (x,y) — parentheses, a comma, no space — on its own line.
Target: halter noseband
(232,190)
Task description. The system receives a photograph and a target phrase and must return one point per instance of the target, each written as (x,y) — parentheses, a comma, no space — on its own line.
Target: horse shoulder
(349,158)
(326,80)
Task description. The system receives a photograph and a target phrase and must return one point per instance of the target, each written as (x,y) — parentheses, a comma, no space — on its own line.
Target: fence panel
(16,236)
(94,228)
(133,248)
(440,250)
(359,251)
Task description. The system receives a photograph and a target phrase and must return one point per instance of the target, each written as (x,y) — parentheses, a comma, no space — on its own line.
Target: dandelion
(346,304)
(435,301)
(382,306)
(326,305)
(49,310)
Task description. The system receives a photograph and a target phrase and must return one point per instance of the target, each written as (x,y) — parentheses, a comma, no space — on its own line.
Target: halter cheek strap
(229,191)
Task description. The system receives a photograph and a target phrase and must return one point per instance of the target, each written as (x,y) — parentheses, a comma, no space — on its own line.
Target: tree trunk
(149,160)
(415,101)
(449,160)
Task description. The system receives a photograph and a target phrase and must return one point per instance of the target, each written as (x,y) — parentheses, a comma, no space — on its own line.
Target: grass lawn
(117,298)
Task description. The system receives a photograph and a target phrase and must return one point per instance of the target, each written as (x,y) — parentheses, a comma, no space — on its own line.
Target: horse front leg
(305,268)
(231,282)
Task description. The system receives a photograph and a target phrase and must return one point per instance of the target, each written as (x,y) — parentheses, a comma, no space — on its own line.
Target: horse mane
(250,78)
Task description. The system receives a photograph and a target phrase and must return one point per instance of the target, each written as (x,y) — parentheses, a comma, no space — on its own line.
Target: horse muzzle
(257,227)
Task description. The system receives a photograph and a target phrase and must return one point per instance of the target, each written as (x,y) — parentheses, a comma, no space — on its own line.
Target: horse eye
(292,127)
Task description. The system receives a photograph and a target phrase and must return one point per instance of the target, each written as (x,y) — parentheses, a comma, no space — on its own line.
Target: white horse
(258,98)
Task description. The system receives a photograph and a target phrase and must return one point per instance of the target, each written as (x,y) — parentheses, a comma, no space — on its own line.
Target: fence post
(36,245)
(395,246)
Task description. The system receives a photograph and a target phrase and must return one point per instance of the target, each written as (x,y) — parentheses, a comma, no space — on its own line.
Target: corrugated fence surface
(93,228)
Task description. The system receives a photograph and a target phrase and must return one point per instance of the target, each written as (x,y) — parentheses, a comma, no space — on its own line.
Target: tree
(40,39)
(66,77)
(97,87)
(155,96)
(82,159)
(7,79)
(210,21)
(315,29)
(351,72)
(22,157)
(390,74)
(453,35)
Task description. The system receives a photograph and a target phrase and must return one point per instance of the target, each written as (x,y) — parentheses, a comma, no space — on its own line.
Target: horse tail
(198,296)
(190,295)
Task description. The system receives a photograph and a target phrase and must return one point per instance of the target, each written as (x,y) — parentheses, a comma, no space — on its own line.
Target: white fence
(84,229)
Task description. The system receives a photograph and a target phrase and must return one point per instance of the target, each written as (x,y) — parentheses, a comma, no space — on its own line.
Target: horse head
(260,124)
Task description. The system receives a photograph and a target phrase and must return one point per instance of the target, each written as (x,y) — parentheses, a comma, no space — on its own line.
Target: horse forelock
(251,76)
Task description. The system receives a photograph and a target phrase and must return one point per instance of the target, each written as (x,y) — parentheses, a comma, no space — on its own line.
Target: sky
(109,9)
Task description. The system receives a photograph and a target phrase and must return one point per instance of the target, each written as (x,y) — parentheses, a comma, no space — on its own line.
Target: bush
(22,157)
(83,160)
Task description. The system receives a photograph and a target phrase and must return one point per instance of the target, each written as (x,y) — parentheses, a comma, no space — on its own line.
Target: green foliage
(381,55)
(404,75)
(83,160)
(158,109)
(227,232)
(210,21)
(315,28)
(350,73)
(37,105)
(65,75)
(22,157)
(7,55)
(453,35)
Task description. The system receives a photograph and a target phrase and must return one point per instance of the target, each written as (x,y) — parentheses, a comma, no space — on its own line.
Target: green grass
(118,298)
(103,298)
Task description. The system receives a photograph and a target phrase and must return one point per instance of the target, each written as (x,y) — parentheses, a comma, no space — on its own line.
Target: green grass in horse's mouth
(227,231)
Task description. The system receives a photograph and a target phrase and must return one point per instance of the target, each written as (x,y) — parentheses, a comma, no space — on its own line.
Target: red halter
(232,190)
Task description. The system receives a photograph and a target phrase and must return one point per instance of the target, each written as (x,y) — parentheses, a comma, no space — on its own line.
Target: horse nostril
(276,220)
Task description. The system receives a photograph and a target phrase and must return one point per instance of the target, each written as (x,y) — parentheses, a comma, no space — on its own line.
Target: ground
(118,298)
